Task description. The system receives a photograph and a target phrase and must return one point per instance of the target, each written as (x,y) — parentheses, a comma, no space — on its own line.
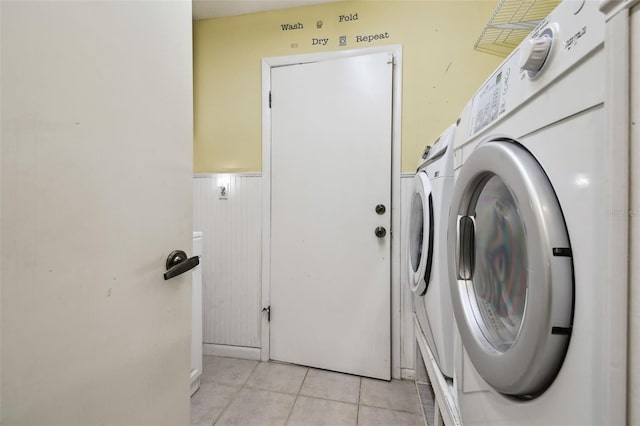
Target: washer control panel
(489,103)
(556,45)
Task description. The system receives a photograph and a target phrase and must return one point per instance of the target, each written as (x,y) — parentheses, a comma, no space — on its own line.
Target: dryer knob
(534,54)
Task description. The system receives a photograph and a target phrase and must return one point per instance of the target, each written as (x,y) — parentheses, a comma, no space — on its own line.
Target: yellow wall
(440,69)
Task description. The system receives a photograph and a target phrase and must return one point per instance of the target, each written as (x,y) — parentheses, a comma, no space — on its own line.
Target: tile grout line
(339,401)
(306,373)
(233,398)
(254,387)
(397,409)
(235,394)
(251,374)
(390,409)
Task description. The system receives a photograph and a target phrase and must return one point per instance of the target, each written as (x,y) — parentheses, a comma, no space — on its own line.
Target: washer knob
(534,54)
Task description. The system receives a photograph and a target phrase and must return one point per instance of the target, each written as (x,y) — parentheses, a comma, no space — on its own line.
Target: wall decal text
(347,18)
(371,37)
(290,27)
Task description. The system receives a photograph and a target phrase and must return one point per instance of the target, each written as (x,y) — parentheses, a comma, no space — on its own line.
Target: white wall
(232,269)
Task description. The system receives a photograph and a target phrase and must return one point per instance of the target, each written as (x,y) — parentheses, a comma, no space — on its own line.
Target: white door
(96,192)
(330,168)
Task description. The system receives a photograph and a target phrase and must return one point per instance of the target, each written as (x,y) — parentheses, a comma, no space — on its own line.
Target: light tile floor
(252,393)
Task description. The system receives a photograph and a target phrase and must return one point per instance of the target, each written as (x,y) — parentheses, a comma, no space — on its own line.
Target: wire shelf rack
(510,23)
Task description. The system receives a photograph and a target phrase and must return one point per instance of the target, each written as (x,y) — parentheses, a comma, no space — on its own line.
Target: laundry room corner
(228,108)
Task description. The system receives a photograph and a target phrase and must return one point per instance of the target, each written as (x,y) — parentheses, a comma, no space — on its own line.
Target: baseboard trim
(228,351)
(407,374)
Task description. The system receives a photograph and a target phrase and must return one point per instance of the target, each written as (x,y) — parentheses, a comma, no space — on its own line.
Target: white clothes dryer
(427,248)
(535,255)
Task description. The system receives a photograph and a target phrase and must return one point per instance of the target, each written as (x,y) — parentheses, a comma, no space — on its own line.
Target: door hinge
(268,311)
(269,98)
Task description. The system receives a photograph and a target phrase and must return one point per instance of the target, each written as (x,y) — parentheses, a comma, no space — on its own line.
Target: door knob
(178,263)
(380,209)
(380,232)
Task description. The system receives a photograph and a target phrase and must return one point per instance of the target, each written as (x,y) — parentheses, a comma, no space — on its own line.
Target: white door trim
(267,64)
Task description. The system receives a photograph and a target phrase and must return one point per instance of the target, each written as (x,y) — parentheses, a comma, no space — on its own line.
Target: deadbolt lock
(380,232)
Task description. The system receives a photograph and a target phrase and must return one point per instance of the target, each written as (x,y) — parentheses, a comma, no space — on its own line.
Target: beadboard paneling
(231,258)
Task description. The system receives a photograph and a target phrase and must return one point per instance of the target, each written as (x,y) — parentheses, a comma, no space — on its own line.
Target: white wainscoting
(232,267)
(231,258)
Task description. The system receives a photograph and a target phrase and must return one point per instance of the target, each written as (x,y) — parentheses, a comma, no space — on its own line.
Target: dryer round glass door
(512,271)
(500,282)
(420,235)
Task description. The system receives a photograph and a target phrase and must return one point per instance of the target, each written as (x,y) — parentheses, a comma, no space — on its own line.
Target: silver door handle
(178,263)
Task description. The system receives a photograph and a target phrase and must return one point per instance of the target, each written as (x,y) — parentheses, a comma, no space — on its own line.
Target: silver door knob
(380,232)
(380,209)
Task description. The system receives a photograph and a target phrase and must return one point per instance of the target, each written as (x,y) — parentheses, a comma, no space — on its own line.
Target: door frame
(396,121)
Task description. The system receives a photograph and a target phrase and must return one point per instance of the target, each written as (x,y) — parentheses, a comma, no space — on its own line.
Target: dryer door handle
(465,247)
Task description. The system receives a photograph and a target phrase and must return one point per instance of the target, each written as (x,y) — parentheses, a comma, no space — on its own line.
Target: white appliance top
(553,47)
(440,152)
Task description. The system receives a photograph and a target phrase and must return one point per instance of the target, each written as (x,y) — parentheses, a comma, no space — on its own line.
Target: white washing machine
(537,253)
(427,248)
